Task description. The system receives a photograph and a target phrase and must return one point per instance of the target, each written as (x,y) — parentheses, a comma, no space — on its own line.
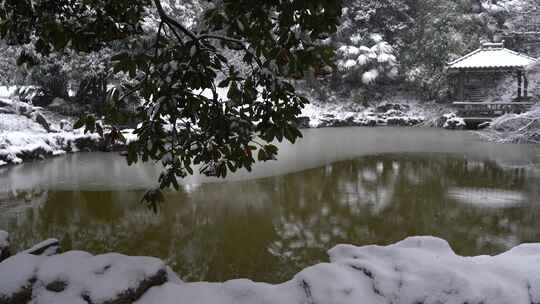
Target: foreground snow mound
(418,270)
(78,277)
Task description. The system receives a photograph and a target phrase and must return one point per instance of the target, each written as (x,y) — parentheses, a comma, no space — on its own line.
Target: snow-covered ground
(417,270)
(21,138)
(28,132)
(515,128)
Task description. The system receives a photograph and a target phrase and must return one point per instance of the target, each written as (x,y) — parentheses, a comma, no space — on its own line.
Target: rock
(24,109)
(65,125)
(56,286)
(392,106)
(397,121)
(60,105)
(79,277)
(37,153)
(453,122)
(46,248)
(4,104)
(303,122)
(40,119)
(4,246)
(41,100)
(87,144)
(7,111)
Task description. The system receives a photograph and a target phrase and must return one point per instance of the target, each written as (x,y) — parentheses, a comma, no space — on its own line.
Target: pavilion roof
(492,56)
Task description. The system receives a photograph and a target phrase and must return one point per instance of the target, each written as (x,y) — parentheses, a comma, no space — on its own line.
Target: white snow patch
(487,198)
(16,273)
(452,121)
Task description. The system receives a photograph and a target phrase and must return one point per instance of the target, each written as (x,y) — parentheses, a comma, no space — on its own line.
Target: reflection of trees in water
(268,229)
(16,205)
(383,199)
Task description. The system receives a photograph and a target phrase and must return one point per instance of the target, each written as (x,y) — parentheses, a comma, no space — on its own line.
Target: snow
(515,128)
(331,114)
(370,76)
(14,144)
(7,91)
(20,136)
(453,122)
(100,279)
(48,248)
(11,122)
(16,273)
(416,270)
(487,198)
(491,58)
(129,135)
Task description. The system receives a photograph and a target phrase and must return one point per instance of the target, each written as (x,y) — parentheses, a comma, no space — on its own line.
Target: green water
(358,186)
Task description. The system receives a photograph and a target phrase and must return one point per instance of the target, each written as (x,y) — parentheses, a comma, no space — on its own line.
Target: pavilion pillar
(461,86)
(525,85)
(519,82)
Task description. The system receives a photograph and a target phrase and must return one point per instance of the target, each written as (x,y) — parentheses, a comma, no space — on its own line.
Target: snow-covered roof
(492,55)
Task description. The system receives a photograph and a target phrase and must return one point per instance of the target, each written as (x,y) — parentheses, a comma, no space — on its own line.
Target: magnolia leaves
(213,99)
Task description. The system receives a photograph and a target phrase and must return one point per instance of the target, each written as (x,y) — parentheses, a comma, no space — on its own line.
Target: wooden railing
(490,109)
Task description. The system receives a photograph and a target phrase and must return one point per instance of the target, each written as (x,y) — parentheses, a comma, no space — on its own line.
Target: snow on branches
(370,63)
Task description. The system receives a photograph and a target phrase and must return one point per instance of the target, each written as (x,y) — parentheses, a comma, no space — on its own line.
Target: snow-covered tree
(198,108)
(367,63)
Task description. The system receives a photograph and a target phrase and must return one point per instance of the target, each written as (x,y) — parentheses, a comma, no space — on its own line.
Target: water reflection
(268,229)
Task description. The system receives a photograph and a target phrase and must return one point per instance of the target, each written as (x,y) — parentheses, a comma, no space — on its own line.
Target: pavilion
(477,74)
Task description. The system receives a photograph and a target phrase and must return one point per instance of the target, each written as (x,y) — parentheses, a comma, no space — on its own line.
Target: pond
(344,185)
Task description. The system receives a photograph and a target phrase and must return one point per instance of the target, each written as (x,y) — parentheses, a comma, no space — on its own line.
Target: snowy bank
(23,139)
(320,115)
(417,270)
(515,128)
(28,133)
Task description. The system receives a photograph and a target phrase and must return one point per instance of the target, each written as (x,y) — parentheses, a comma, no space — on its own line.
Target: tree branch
(170,21)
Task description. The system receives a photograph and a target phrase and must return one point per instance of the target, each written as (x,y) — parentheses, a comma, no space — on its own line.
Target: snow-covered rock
(417,270)
(78,277)
(453,122)
(4,245)
(48,247)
